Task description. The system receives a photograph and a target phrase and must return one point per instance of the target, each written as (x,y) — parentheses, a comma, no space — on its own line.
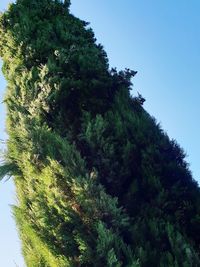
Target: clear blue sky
(159,39)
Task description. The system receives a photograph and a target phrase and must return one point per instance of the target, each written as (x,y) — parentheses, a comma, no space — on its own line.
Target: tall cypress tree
(98,181)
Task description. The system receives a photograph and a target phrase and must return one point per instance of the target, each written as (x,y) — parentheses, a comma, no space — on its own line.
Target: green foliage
(98,181)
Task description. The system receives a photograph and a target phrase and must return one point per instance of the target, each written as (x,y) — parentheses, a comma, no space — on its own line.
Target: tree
(98,181)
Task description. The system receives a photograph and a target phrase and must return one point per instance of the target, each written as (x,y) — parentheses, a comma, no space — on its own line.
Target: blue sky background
(159,39)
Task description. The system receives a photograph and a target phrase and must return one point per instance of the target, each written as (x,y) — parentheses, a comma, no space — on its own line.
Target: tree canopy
(99,183)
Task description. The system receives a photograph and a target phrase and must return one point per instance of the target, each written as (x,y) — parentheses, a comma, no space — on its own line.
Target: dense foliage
(98,181)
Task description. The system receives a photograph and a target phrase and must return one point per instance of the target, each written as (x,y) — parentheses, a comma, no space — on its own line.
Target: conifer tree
(99,183)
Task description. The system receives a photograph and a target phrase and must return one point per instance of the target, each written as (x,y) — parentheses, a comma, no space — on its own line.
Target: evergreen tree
(98,181)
